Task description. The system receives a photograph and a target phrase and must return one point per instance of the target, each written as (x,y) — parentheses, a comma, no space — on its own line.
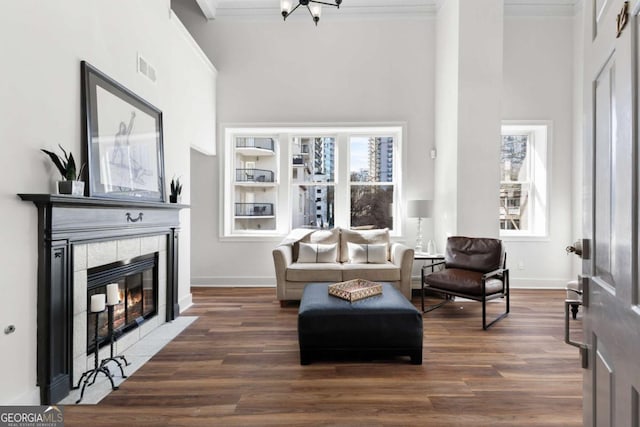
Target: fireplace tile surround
(91,255)
(79,233)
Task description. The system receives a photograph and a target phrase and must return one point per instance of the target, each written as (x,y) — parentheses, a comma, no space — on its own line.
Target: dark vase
(173,198)
(75,188)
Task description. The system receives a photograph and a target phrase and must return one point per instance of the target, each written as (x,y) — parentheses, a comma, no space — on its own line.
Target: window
(371,181)
(523,179)
(313,178)
(251,179)
(314,185)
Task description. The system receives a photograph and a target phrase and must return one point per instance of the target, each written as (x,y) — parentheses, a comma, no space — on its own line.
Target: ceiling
(225,9)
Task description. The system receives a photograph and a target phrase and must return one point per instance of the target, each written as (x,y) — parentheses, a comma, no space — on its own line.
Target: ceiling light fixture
(315,9)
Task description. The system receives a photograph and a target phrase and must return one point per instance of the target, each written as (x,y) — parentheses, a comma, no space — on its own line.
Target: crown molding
(367,9)
(349,8)
(541,7)
(209,8)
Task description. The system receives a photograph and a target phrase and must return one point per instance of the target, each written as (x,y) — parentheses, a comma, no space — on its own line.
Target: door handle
(580,248)
(567,336)
(576,248)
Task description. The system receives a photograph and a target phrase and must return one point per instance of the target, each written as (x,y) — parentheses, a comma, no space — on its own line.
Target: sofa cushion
(312,272)
(463,281)
(318,236)
(362,236)
(317,252)
(375,272)
(367,254)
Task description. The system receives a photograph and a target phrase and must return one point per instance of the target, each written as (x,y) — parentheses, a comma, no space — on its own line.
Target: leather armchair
(474,268)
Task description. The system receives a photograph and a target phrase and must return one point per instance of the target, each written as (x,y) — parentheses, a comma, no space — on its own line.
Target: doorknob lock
(580,248)
(576,248)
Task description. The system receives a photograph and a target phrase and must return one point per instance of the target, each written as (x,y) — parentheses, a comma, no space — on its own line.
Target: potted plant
(67,167)
(176,190)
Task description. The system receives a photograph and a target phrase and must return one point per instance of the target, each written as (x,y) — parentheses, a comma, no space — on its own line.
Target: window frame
(540,140)
(228,187)
(283,209)
(311,183)
(394,167)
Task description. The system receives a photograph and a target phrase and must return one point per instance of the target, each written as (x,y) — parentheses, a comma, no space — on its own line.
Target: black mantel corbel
(67,220)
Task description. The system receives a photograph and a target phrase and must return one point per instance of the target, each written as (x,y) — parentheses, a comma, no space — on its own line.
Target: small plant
(176,189)
(66,165)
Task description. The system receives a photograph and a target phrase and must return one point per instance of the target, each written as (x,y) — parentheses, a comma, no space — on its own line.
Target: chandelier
(314,7)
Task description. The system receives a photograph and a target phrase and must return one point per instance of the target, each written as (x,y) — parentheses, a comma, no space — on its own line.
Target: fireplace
(78,234)
(137,280)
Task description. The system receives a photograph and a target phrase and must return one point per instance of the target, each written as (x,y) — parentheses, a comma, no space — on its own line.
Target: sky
(359,153)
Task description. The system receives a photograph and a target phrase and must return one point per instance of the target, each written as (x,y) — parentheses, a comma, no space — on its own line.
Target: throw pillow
(318,236)
(376,236)
(367,254)
(317,252)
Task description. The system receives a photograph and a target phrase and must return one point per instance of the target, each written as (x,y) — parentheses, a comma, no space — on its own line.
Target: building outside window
(313,181)
(371,181)
(322,178)
(523,206)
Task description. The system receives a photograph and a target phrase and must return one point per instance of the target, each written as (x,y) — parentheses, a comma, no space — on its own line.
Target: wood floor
(238,365)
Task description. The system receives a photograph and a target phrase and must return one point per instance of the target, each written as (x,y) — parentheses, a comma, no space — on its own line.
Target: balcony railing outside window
(254,209)
(254,175)
(263,143)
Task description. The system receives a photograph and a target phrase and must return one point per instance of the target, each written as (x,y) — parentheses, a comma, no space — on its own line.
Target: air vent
(146,69)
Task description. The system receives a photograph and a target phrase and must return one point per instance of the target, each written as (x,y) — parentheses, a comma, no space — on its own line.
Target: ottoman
(382,325)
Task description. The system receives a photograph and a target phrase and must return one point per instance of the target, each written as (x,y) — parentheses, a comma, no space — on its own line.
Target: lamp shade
(420,208)
(316,10)
(285,6)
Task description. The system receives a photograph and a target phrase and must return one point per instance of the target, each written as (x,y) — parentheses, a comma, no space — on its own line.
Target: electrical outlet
(520,265)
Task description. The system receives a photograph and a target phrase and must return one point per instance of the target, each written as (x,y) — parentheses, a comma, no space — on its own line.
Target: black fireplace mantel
(64,221)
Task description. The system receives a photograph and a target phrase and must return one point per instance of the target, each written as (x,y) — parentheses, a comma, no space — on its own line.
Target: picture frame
(123,140)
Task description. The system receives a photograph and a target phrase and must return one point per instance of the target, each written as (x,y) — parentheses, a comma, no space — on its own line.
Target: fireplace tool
(112,358)
(89,377)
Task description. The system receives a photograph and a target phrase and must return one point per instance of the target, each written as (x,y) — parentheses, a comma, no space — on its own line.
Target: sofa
(338,255)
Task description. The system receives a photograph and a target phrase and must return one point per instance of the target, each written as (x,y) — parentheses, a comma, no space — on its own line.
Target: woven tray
(356,289)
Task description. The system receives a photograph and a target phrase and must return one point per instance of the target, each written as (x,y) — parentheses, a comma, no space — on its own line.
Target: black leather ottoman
(383,325)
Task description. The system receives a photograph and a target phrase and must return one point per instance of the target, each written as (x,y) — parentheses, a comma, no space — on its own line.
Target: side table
(435,260)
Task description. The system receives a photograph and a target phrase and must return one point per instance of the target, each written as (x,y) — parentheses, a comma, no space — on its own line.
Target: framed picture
(124,152)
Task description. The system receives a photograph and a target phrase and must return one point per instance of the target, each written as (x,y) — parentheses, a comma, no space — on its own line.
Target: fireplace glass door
(138,289)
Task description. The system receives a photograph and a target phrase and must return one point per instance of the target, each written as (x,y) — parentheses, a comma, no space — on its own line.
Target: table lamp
(419,209)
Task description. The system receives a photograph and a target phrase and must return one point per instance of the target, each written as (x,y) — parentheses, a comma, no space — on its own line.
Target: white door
(610,263)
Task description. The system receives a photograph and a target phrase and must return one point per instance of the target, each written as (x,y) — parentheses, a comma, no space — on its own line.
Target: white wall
(43,44)
(446,124)
(539,85)
(294,72)
(346,71)
(578,123)
(480,81)
(469,68)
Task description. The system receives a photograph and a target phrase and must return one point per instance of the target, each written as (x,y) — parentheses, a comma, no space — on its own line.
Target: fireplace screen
(138,287)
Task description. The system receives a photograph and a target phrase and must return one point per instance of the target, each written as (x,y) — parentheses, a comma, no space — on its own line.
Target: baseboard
(31,397)
(269,282)
(185,302)
(519,283)
(234,281)
(524,283)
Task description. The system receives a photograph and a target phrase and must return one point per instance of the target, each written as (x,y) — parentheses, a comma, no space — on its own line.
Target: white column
(468,116)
